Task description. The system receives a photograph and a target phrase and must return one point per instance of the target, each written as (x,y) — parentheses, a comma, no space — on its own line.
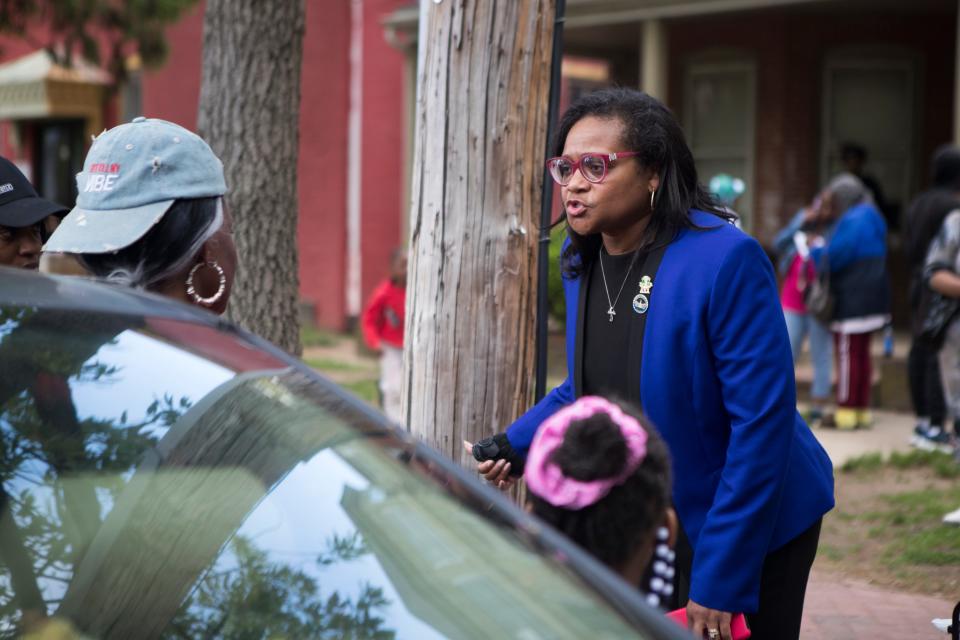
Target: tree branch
(18,560)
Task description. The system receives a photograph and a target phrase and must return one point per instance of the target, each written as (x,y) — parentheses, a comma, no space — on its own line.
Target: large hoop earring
(652,193)
(191,290)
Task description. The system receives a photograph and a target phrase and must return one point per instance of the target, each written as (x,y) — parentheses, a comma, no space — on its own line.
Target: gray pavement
(890,432)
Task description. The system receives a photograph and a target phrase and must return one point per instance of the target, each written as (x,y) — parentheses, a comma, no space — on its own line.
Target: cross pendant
(611,313)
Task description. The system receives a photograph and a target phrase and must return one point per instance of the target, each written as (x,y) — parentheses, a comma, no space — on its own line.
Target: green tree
(102,31)
(558,306)
(45,541)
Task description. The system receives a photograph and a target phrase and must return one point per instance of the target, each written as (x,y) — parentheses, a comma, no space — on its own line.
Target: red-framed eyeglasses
(592,166)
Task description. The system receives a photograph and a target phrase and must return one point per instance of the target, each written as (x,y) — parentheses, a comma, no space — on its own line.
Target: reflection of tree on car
(260,598)
(206,474)
(156,487)
(42,438)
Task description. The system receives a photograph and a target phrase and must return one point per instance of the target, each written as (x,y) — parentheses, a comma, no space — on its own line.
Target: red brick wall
(323,159)
(172,92)
(382,205)
(789,50)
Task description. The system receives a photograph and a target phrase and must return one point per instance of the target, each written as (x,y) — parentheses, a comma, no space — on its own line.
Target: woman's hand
(702,621)
(945,283)
(496,472)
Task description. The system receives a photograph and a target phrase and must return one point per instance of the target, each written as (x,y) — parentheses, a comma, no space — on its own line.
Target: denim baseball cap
(20,206)
(131,176)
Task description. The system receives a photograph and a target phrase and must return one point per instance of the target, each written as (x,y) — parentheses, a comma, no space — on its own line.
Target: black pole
(546,208)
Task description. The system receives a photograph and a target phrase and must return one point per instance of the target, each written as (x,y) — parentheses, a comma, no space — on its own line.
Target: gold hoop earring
(221,287)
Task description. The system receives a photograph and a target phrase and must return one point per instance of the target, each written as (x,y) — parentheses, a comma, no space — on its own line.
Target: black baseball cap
(20,206)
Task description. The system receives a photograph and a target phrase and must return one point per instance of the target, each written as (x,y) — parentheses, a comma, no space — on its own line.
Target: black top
(606,365)
(921,225)
(923,221)
(893,222)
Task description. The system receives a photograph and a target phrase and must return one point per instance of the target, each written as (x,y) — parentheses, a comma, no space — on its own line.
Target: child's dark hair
(650,128)
(614,527)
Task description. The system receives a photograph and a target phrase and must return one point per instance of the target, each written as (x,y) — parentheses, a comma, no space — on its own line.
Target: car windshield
(162,479)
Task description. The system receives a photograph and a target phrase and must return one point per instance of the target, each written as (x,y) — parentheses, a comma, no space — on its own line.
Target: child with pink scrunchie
(598,475)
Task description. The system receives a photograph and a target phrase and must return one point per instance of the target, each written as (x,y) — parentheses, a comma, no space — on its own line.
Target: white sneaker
(932,439)
(952,518)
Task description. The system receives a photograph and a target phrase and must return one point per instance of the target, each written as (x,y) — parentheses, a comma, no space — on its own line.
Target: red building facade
(351,176)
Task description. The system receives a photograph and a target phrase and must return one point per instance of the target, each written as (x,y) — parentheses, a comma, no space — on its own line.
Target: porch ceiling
(34,86)
(623,34)
(623,14)
(582,13)
(586,13)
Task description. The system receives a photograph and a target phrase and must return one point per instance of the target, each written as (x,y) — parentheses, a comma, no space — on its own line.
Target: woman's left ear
(654,182)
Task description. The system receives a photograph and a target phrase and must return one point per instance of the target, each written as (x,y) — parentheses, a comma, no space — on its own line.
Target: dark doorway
(58,158)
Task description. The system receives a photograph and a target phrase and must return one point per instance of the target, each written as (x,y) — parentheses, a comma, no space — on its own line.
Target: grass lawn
(314,337)
(337,357)
(331,365)
(886,527)
(366,390)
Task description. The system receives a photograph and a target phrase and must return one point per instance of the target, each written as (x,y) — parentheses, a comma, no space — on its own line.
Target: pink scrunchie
(544,477)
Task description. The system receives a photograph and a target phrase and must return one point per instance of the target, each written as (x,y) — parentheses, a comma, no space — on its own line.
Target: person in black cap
(22,213)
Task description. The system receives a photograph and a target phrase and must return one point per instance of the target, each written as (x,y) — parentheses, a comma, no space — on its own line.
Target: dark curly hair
(613,528)
(650,128)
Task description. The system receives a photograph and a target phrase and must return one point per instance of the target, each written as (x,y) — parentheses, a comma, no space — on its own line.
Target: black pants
(783,585)
(926,388)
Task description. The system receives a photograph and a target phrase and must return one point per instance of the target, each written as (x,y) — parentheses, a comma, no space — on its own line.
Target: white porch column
(653,59)
(354,139)
(407,43)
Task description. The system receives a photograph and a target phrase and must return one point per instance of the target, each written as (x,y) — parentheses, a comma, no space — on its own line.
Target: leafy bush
(556,306)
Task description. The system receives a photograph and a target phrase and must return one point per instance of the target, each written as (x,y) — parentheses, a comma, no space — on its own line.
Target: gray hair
(166,250)
(848,190)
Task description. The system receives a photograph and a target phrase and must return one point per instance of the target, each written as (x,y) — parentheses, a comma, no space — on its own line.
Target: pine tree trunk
(483,92)
(249,113)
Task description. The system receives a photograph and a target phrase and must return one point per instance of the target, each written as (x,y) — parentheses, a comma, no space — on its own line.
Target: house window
(719,123)
(870,102)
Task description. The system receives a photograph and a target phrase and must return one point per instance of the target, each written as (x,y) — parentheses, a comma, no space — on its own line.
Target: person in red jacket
(382,323)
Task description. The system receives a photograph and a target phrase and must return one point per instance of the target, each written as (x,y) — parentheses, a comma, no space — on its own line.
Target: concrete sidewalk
(837,608)
(890,432)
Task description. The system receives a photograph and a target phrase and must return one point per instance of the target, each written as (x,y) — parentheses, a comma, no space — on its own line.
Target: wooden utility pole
(249,113)
(483,92)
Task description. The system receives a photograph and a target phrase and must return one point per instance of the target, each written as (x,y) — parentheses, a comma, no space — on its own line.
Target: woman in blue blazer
(700,342)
